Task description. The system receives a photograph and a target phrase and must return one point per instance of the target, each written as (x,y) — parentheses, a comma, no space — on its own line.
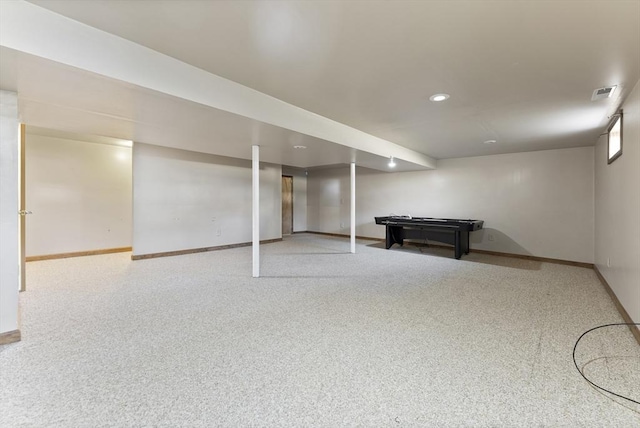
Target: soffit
(61,99)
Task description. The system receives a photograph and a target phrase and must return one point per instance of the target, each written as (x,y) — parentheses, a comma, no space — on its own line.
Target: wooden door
(287,205)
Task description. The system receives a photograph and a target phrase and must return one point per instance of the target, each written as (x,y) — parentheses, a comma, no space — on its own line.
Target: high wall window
(615,138)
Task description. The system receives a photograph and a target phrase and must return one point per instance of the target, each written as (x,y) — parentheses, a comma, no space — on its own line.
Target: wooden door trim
(292,208)
(22,208)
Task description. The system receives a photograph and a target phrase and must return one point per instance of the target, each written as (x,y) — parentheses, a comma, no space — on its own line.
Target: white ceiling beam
(37,31)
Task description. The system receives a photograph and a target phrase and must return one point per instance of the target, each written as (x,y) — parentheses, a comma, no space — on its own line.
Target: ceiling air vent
(602,93)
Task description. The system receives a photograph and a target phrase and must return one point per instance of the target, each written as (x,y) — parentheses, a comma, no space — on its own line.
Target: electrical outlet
(491,238)
(218,232)
(341,225)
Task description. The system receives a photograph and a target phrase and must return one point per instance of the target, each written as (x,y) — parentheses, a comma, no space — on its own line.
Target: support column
(353,207)
(9,248)
(255,171)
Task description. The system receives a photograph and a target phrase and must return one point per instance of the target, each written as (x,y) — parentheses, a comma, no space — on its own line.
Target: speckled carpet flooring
(401,338)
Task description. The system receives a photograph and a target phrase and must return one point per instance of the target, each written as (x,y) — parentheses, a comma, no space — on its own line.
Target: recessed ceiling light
(439,97)
(392,163)
(490,142)
(299,147)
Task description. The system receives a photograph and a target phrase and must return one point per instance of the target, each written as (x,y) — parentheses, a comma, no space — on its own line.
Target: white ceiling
(520,72)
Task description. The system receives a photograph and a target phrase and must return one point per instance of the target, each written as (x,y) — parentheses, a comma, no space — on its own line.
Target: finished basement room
(320,214)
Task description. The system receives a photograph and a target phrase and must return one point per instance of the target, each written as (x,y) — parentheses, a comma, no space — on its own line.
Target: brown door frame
(23,211)
(281,215)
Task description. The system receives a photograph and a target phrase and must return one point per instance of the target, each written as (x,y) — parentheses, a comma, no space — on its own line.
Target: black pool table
(447,230)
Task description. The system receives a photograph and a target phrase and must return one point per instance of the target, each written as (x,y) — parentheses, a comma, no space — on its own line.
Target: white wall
(617,209)
(535,203)
(79,193)
(187,200)
(328,200)
(9,141)
(299,197)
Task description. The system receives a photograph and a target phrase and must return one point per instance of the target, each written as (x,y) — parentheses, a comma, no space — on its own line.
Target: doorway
(94,175)
(287,205)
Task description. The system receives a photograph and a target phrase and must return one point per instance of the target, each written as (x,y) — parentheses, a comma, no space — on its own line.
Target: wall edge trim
(536,258)
(10,337)
(198,250)
(339,235)
(635,330)
(78,254)
(473,250)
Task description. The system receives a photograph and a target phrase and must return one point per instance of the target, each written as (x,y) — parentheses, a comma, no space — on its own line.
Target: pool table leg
(388,239)
(394,235)
(465,241)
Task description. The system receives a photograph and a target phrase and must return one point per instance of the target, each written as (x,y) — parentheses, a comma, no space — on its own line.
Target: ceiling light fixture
(439,97)
(392,163)
(490,142)
(299,147)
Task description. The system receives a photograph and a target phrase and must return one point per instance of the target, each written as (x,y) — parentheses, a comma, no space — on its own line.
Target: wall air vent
(602,93)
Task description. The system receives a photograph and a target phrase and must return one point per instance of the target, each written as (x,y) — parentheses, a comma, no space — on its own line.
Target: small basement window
(614,145)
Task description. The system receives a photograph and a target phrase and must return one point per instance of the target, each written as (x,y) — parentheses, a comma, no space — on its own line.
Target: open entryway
(79,188)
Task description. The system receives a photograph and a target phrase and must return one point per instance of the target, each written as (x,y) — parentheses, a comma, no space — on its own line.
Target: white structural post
(353,207)
(255,171)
